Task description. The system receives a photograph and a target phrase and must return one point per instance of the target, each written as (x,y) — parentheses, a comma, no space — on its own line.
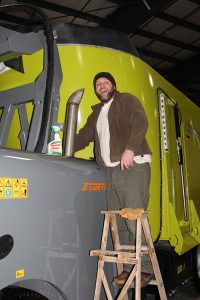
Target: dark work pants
(129,188)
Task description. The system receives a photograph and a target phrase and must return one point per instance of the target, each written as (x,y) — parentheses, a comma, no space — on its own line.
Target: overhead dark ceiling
(166,33)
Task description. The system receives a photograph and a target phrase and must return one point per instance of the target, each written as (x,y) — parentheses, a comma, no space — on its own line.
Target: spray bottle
(55,146)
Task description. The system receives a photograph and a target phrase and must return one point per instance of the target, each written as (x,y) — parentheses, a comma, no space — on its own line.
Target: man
(118,126)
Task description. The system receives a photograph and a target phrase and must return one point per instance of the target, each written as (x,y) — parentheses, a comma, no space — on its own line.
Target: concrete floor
(179,295)
(188,292)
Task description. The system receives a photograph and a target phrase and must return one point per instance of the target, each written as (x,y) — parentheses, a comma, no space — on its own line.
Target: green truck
(49,217)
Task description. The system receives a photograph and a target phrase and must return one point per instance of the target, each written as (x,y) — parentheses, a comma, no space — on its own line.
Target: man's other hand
(127,159)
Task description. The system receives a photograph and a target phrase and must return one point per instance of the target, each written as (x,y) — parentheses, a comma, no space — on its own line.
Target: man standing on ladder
(118,127)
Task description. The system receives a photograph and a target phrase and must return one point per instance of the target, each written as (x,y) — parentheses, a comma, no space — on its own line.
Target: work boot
(121,278)
(145,278)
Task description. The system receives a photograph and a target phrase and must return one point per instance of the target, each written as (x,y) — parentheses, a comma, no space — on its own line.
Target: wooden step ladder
(126,254)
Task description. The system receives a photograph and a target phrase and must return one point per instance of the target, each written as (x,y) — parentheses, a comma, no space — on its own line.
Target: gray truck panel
(56,225)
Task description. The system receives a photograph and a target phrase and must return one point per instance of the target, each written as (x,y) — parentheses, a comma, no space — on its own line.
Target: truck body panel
(54,227)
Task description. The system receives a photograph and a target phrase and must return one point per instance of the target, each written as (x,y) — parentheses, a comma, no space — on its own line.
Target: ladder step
(132,248)
(100,252)
(114,259)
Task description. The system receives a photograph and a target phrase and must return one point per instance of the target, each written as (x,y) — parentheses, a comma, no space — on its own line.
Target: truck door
(174,192)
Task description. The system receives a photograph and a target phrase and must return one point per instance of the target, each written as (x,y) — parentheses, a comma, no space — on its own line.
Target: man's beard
(108,97)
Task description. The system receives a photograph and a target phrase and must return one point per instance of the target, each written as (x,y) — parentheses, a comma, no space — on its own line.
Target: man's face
(104,89)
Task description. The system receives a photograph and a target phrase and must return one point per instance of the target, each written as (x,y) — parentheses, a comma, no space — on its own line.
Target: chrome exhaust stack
(70,125)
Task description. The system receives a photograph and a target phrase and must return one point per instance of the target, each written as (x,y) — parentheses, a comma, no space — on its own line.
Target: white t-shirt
(104,134)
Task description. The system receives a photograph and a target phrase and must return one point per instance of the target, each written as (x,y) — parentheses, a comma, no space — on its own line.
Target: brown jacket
(128,126)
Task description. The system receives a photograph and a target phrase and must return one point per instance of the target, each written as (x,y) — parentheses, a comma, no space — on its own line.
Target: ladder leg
(153,258)
(136,272)
(138,257)
(101,278)
(106,287)
(116,246)
(100,262)
(115,239)
(98,281)
(104,238)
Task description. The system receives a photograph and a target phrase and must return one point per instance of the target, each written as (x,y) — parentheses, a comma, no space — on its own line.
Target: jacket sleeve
(139,123)
(85,135)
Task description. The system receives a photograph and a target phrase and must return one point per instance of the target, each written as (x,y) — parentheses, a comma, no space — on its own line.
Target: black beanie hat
(104,75)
